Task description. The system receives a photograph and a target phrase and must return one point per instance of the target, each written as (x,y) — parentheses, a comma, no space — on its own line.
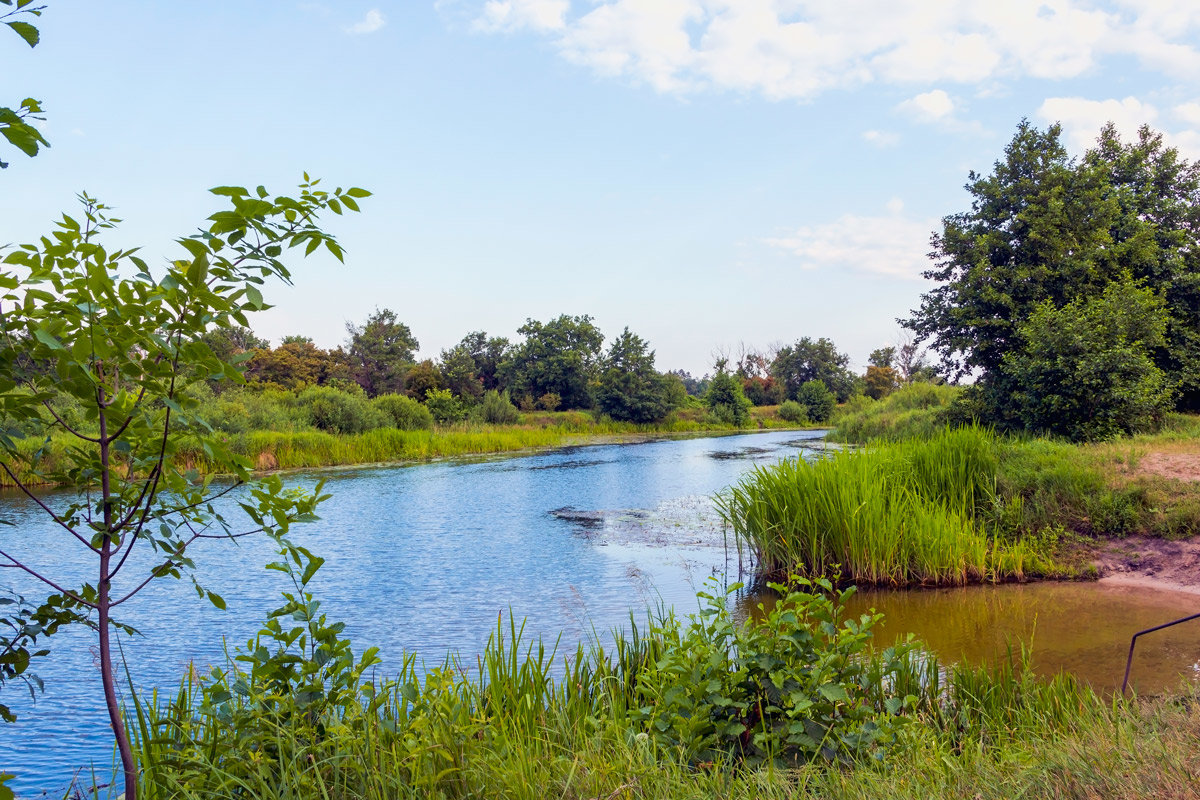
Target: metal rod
(1133,643)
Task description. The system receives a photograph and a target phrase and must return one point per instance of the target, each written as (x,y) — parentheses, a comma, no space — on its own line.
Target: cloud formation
(893,245)
(1082,119)
(800,48)
(370,23)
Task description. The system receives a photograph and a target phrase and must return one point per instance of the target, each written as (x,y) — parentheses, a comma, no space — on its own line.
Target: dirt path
(1155,563)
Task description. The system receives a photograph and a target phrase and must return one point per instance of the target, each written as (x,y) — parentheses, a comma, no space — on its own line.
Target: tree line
(563,364)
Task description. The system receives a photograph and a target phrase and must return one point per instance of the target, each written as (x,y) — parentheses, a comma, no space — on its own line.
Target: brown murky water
(1082,628)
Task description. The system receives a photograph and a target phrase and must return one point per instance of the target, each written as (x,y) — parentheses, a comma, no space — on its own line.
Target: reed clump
(892,514)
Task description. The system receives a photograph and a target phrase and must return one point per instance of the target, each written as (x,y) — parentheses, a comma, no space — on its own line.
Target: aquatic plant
(891,514)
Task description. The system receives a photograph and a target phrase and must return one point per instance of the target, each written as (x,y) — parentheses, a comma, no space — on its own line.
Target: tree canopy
(559,357)
(1046,231)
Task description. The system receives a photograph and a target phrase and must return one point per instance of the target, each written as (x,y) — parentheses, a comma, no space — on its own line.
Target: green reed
(892,514)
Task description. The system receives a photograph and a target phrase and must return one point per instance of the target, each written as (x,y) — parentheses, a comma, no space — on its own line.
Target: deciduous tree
(125,342)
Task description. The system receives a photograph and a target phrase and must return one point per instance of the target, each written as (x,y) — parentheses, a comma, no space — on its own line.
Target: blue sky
(711,173)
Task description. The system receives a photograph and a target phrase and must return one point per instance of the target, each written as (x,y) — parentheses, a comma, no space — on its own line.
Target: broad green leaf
(26,32)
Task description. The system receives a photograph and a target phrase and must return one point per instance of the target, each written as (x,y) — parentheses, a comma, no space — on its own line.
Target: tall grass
(915,411)
(892,514)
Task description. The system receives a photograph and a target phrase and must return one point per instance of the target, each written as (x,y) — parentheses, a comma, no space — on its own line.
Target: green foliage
(1085,371)
(726,400)
(405,413)
(791,684)
(559,357)
(421,379)
(15,124)
(1048,232)
(808,360)
(893,514)
(337,411)
(916,411)
(127,345)
(444,406)
(791,411)
(380,351)
(457,370)
(763,391)
(498,409)
(817,398)
(630,389)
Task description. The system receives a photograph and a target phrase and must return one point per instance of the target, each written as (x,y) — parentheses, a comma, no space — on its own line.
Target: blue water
(419,559)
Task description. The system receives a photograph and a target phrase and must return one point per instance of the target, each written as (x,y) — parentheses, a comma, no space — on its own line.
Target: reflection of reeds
(891,514)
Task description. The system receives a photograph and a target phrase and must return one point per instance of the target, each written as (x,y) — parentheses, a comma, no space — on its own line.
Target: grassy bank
(790,704)
(293,449)
(895,514)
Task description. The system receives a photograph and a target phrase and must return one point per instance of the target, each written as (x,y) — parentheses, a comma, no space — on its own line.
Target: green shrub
(791,411)
(444,406)
(497,409)
(335,411)
(817,398)
(406,414)
(794,683)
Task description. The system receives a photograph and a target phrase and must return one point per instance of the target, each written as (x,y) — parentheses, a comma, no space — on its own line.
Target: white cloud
(513,15)
(934,106)
(370,23)
(1189,113)
(1082,119)
(892,245)
(801,48)
(881,138)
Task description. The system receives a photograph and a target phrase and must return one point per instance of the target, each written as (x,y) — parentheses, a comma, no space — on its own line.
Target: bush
(791,411)
(498,409)
(793,683)
(341,412)
(406,414)
(444,406)
(726,400)
(550,401)
(817,398)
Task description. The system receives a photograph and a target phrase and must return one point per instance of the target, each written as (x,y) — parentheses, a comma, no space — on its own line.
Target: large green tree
(630,389)
(1046,228)
(814,360)
(125,342)
(557,357)
(380,352)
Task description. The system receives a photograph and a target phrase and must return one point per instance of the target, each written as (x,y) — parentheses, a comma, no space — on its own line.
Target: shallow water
(1081,628)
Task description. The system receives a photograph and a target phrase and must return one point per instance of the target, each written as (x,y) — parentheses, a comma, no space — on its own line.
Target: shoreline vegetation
(271,450)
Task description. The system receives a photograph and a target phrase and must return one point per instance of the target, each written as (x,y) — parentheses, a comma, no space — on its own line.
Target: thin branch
(47,509)
(61,422)
(45,580)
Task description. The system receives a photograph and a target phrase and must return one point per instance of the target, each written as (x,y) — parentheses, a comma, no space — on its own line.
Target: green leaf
(254,296)
(834,692)
(229,191)
(356,192)
(26,32)
(45,338)
(216,600)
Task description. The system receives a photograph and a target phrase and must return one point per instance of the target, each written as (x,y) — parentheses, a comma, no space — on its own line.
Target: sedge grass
(892,514)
